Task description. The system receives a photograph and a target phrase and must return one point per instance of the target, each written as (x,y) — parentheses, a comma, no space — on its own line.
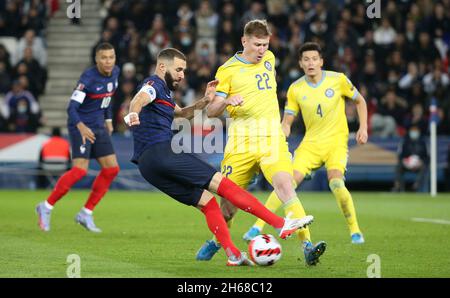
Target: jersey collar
(240,58)
(318,83)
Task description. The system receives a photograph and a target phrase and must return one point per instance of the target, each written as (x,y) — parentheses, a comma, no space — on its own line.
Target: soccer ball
(412,162)
(264,250)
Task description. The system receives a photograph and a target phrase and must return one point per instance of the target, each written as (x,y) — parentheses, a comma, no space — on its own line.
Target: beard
(170,81)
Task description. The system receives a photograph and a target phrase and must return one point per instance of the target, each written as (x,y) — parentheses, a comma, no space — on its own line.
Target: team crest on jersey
(110,86)
(329,93)
(268,65)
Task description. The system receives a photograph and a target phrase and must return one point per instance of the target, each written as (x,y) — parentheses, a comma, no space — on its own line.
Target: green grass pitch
(147,234)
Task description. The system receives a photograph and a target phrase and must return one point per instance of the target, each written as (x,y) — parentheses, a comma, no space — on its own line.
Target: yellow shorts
(309,157)
(244,157)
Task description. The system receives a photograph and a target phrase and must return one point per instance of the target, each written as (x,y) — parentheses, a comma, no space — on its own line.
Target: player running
(184,176)
(90,127)
(320,96)
(247,89)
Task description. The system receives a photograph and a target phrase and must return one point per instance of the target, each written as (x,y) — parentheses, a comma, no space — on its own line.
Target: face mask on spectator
(414,134)
(204,52)
(294,73)
(22,109)
(186,41)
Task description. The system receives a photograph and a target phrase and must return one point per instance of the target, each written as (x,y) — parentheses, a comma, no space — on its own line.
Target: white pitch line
(431,220)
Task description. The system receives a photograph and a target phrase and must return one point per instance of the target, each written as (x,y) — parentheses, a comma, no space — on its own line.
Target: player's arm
(219,104)
(146,95)
(188,112)
(286,124)
(349,91)
(361,108)
(76,100)
(290,111)
(108,119)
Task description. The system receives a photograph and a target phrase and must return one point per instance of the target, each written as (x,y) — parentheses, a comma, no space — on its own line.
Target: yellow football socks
(345,203)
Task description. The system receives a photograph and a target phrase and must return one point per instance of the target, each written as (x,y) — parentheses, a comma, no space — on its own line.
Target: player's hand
(211,90)
(236,100)
(361,136)
(109,126)
(86,133)
(132,119)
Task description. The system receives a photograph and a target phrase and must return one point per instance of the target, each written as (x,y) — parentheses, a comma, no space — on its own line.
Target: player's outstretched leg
(217,225)
(247,202)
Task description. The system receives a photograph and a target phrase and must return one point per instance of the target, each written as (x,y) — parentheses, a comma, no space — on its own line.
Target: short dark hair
(309,46)
(103,46)
(56,132)
(257,28)
(170,54)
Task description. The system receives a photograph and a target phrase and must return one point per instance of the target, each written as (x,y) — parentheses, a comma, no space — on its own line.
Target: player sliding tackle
(184,176)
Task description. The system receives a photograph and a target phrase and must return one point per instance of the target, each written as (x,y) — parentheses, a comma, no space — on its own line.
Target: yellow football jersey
(322,106)
(259,114)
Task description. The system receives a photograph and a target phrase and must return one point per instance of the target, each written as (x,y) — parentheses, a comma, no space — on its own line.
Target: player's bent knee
(78,173)
(111,173)
(336,183)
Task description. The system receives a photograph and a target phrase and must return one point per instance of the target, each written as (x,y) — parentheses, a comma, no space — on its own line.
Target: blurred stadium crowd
(398,62)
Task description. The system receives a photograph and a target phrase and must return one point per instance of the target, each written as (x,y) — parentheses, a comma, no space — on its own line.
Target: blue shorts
(101,147)
(182,176)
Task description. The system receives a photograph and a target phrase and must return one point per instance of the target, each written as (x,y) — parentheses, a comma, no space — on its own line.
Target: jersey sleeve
(291,107)
(79,94)
(347,87)
(224,86)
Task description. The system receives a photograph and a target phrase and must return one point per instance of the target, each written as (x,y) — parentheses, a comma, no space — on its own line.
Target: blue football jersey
(155,118)
(93,94)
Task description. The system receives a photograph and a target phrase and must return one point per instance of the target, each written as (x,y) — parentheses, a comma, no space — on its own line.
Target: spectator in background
(35,72)
(185,13)
(389,115)
(157,37)
(54,159)
(5,79)
(409,78)
(37,45)
(10,20)
(385,34)
(416,118)
(21,109)
(256,12)
(412,157)
(425,50)
(434,80)
(184,36)
(5,58)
